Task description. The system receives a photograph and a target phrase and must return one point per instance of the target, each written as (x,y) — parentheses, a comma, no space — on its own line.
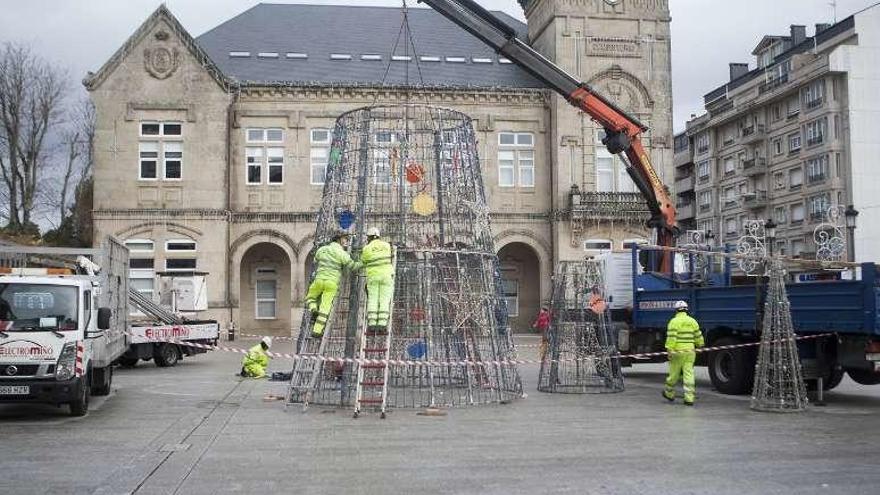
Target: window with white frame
(705,199)
(596,246)
(814,94)
(730,226)
(703,169)
(797,212)
(319,156)
(729,196)
(140,245)
(816,131)
(516,159)
(729,166)
(795,178)
(702,142)
(265,293)
(777,146)
(264,156)
(781,215)
(798,246)
(160,151)
(818,205)
(510,290)
(180,245)
(386,148)
(817,169)
(629,243)
(254,165)
(794,106)
(141,269)
(611,174)
(180,264)
(794,142)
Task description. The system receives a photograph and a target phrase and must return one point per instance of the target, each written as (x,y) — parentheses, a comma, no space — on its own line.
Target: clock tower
(622,49)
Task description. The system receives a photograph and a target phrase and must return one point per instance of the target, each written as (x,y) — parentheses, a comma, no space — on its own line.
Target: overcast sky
(706,34)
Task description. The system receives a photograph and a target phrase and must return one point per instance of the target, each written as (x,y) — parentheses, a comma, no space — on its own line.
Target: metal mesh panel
(413,172)
(579,353)
(779,384)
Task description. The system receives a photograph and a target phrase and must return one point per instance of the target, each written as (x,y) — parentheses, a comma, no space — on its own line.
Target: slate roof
(322,30)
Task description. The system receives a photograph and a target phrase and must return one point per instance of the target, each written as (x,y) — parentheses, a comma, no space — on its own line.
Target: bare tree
(31,98)
(77,142)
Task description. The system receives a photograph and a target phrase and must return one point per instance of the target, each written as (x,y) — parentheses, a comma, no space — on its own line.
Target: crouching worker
(255,362)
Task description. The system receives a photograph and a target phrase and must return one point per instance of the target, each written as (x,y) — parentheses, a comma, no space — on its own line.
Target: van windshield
(37,307)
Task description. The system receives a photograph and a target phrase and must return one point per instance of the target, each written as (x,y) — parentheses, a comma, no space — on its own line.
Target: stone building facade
(789,139)
(210,151)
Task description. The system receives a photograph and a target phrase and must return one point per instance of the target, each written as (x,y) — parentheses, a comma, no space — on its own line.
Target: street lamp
(850,216)
(574,197)
(770,234)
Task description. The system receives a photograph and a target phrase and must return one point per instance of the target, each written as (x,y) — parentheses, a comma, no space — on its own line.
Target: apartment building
(788,139)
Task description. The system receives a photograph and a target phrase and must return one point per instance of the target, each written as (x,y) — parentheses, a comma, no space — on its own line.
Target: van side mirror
(104,318)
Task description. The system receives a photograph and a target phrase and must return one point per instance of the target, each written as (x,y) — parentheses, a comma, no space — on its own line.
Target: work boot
(670,398)
(316,335)
(314,316)
(689,403)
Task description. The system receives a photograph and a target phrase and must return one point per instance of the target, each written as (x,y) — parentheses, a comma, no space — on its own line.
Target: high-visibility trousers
(379,291)
(681,367)
(253,370)
(320,298)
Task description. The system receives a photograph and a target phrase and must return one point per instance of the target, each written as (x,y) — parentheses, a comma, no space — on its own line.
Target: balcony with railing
(754,166)
(755,199)
(815,103)
(685,184)
(772,84)
(815,140)
(685,210)
(590,207)
(753,133)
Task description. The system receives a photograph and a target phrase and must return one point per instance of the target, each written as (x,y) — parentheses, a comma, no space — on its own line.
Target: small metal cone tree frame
(413,172)
(779,384)
(579,354)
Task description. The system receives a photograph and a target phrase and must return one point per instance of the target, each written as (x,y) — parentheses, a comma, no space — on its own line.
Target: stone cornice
(394,94)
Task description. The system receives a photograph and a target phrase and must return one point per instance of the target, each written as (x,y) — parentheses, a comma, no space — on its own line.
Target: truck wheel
(864,377)
(166,355)
(103,378)
(732,370)
(80,406)
(128,362)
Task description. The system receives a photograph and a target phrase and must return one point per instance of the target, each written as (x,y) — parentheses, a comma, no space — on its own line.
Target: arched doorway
(521,283)
(265,290)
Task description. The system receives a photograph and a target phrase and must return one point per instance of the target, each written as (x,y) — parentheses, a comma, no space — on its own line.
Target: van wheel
(166,355)
(103,378)
(732,370)
(80,406)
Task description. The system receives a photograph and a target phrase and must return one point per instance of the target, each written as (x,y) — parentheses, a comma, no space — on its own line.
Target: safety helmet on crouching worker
(267,341)
(373,232)
(681,306)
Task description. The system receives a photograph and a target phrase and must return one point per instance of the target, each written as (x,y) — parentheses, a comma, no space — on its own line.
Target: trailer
(161,332)
(729,314)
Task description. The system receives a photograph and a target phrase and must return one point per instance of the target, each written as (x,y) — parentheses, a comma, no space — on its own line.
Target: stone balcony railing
(611,206)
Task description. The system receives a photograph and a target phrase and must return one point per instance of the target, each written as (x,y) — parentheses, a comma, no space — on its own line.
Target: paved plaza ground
(198,429)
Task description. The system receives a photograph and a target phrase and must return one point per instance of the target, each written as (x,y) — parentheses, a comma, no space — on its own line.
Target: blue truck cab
(728,312)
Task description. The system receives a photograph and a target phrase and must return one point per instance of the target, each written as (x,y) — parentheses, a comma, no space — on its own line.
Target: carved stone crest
(161,62)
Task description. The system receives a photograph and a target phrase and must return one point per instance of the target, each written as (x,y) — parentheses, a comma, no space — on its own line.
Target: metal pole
(850,247)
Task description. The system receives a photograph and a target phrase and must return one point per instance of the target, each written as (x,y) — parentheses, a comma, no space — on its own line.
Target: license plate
(15,390)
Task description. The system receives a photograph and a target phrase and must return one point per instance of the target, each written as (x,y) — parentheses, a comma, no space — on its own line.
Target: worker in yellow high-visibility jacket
(376,259)
(682,337)
(331,259)
(254,363)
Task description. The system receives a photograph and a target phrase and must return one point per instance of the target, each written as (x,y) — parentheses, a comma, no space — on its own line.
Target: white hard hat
(267,340)
(681,305)
(373,232)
